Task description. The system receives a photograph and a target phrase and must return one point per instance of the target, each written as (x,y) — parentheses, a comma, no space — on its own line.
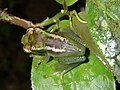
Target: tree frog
(66,47)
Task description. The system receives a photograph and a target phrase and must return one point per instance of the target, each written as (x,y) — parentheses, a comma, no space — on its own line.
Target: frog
(65,47)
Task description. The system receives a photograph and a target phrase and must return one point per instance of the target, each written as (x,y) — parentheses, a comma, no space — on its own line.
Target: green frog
(65,47)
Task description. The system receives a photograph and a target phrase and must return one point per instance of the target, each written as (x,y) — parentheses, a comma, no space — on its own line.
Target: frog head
(32,41)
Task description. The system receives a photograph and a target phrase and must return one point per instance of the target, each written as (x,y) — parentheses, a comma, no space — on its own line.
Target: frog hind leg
(68,63)
(62,69)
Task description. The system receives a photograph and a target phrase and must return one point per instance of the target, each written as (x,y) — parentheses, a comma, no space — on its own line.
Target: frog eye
(25,42)
(30,39)
(25,39)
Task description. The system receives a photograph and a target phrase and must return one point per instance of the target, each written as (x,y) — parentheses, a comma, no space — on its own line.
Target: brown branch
(4,16)
(21,22)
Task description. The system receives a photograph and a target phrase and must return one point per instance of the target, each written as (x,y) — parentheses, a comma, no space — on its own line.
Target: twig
(4,16)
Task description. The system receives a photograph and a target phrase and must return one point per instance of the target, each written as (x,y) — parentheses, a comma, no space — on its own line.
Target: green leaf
(82,30)
(68,2)
(60,25)
(104,26)
(89,76)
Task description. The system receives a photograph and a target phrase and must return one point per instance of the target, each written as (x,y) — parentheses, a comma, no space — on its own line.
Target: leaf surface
(89,76)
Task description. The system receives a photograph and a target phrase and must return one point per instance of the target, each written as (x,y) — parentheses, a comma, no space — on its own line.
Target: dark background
(15,65)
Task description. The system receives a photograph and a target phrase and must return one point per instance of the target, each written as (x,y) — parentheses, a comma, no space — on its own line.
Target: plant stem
(52,20)
(4,16)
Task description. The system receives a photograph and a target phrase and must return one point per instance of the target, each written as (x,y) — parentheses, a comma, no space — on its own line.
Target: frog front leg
(41,58)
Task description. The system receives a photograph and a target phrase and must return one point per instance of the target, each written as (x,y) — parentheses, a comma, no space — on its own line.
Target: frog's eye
(25,39)
(30,39)
(25,42)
